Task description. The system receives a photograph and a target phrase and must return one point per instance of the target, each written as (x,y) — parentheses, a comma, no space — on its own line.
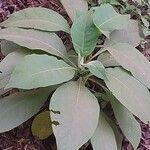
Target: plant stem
(99,84)
(69,61)
(96,54)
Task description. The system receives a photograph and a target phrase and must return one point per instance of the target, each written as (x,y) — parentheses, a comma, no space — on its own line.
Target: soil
(21,137)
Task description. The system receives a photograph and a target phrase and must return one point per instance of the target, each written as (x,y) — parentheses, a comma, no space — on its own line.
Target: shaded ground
(21,138)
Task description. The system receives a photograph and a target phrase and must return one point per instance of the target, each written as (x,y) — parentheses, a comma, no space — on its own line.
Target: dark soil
(21,137)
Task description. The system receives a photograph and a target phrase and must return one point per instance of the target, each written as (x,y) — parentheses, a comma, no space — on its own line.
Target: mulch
(21,137)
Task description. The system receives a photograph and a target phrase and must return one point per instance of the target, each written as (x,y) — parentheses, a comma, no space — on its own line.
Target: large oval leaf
(107,19)
(76,110)
(8,64)
(40,71)
(75,7)
(84,34)
(32,39)
(132,60)
(103,138)
(129,92)
(19,107)
(129,126)
(37,18)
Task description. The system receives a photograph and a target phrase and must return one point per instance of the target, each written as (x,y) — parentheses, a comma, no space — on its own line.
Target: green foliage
(129,34)
(78,111)
(104,69)
(96,68)
(84,34)
(110,21)
(102,135)
(19,107)
(31,73)
(132,60)
(46,20)
(129,91)
(128,124)
(32,39)
(75,8)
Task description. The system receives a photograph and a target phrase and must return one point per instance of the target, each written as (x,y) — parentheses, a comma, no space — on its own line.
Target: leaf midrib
(76,107)
(49,70)
(39,20)
(105,22)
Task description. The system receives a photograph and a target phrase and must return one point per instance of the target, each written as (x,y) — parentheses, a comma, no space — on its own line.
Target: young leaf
(107,59)
(103,137)
(129,92)
(96,68)
(19,107)
(42,125)
(78,115)
(8,64)
(32,39)
(107,19)
(132,60)
(75,8)
(47,20)
(84,34)
(129,126)
(40,71)
(130,35)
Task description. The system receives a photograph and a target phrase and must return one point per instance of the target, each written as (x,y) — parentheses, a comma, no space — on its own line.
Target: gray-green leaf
(103,138)
(76,110)
(129,34)
(132,60)
(37,18)
(96,68)
(107,59)
(129,126)
(107,19)
(32,39)
(84,34)
(118,135)
(129,92)
(8,64)
(19,107)
(8,47)
(75,8)
(40,71)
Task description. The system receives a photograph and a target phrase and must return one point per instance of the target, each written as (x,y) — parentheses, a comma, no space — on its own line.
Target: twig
(99,84)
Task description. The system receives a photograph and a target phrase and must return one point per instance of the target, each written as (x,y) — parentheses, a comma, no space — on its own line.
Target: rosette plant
(103,68)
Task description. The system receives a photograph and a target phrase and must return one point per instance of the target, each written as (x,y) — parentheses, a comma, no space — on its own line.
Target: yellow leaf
(41,125)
